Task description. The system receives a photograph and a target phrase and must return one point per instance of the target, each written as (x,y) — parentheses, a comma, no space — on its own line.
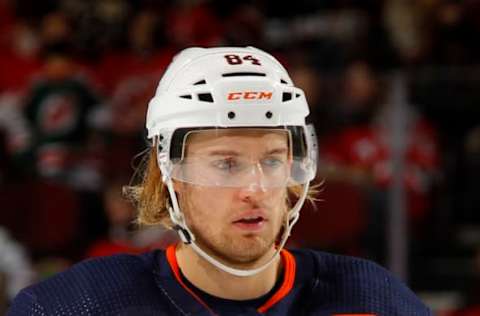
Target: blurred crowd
(76,77)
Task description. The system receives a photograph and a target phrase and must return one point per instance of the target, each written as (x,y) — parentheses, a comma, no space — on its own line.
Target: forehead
(240,140)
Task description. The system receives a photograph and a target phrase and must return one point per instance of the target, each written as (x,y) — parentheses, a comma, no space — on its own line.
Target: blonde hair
(150,195)
(148,192)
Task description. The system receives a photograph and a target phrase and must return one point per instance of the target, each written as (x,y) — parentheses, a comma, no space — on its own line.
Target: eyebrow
(236,153)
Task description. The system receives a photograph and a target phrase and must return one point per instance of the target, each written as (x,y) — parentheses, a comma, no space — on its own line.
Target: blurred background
(394,91)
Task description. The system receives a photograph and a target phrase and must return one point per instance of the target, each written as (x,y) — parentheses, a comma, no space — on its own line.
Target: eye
(272,162)
(227,164)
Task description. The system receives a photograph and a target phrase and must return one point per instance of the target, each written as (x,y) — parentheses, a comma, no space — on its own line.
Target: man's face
(235,198)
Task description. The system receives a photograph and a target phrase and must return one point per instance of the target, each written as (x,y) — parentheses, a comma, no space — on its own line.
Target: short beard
(244,252)
(238,253)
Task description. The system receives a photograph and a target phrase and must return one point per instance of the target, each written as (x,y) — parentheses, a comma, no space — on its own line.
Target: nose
(254,183)
(251,193)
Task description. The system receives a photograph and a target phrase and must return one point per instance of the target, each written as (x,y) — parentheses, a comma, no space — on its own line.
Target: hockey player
(229,169)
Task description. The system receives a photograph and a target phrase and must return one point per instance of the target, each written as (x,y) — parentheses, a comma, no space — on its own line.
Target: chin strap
(188,237)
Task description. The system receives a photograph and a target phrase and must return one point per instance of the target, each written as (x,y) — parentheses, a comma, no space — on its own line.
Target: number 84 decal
(238,60)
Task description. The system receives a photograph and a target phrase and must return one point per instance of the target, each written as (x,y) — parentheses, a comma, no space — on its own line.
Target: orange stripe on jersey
(289,278)
(172,260)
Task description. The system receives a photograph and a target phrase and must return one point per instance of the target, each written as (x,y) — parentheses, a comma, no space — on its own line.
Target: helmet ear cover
(297,139)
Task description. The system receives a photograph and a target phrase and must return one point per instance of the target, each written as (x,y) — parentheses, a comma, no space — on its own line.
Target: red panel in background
(43,216)
(337,222)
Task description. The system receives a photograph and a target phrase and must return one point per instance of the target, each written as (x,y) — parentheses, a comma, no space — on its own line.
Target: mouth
(251,223)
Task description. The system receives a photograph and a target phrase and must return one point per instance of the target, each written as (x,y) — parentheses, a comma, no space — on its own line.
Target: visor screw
(269,115)
(231,115)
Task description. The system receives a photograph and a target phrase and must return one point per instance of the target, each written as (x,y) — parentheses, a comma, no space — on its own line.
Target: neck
(221,284)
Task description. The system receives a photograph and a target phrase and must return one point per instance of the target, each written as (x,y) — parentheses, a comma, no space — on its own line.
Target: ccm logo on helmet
(250,95)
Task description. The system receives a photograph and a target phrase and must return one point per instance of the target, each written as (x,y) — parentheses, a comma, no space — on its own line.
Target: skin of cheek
(209,212)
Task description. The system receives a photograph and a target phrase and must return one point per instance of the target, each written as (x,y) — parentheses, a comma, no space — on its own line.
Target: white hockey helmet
(225,87)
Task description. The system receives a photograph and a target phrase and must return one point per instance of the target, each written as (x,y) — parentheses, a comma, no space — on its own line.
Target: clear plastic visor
(242,157)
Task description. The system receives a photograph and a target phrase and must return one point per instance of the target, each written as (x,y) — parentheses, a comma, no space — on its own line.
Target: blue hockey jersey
(313,283)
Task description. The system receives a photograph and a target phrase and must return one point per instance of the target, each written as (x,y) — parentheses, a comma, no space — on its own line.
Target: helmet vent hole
(186,96)
(200,82)
(286,96)
(297,95)
(244,74)
(231,115)
(269,115)
(283,81)
(205,97)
